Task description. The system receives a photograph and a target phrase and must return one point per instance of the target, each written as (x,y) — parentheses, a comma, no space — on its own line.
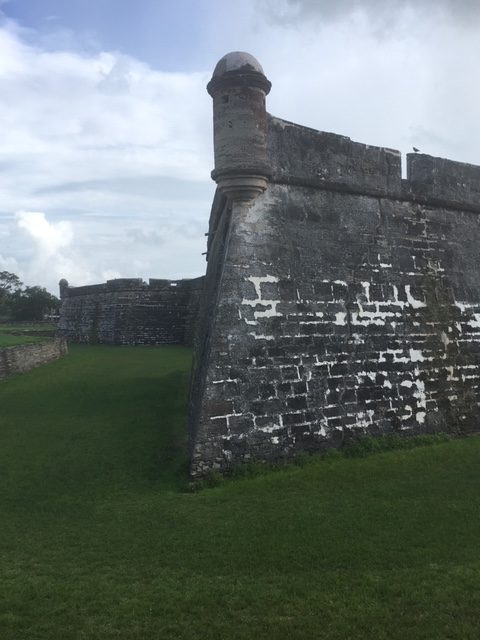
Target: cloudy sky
(105,123)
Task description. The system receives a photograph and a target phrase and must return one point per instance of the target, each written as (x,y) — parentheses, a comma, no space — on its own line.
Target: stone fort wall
(340,299)
(130,311)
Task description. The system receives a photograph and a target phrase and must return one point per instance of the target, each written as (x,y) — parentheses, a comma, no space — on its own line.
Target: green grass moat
(99,539)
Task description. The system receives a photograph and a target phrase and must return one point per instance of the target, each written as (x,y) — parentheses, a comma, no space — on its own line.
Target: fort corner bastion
(340,299)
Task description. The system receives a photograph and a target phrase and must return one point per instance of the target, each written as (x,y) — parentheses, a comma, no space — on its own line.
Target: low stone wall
(23,357)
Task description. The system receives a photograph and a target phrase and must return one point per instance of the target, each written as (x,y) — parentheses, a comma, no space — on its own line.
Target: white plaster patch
(257,281)
(410,412)
(420,392)
(361,375)
(261,336)
(271,305)
(416,304)
(464,307)
(366,288)
(416,355)
(340,318)
(268,313)
(450,376)
(322,431)
(475,323)
(363,418)
(366,318)
(226,380)
(271,428)
(445,339)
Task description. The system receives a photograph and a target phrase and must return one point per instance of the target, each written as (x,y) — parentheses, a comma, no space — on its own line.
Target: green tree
(10,284)
(33,303)
(18,302)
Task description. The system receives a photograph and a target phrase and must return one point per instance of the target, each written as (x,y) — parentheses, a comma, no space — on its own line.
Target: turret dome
(237,61)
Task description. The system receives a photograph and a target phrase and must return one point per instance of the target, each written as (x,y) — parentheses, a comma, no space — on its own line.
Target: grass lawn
(8,340)
(23,333)
(98,540)
(34,327)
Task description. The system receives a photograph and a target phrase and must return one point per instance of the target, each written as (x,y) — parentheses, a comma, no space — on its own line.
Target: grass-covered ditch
(99,538)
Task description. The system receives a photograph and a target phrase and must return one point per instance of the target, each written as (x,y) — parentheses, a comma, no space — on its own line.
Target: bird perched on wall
(415,149)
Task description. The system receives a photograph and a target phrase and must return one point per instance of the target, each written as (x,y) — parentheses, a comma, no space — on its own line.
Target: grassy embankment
(99,541)
(13,334)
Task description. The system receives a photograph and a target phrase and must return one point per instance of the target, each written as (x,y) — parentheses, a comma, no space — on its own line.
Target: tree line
(21,302)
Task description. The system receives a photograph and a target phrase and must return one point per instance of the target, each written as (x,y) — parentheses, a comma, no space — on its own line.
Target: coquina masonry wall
(340,301)
(22,358)
(129,311)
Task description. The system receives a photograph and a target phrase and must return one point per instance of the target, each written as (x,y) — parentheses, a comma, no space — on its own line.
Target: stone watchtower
(238,88)
(63,285)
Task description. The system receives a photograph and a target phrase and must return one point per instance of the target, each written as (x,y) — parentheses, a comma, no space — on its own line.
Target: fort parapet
(130,311)
(340,299)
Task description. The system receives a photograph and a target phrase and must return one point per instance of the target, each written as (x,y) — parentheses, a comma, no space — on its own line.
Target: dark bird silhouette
(415,149)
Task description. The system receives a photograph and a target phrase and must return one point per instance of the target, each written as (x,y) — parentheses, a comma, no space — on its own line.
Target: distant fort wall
(340,299)
(130,311)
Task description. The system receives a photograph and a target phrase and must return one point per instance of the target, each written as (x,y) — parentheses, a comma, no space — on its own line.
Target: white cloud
(116,155)
(379,12)
(89,249)
(8,264)
(50,237)
(410,83)
(101,116)
(101,136)
(51,251)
